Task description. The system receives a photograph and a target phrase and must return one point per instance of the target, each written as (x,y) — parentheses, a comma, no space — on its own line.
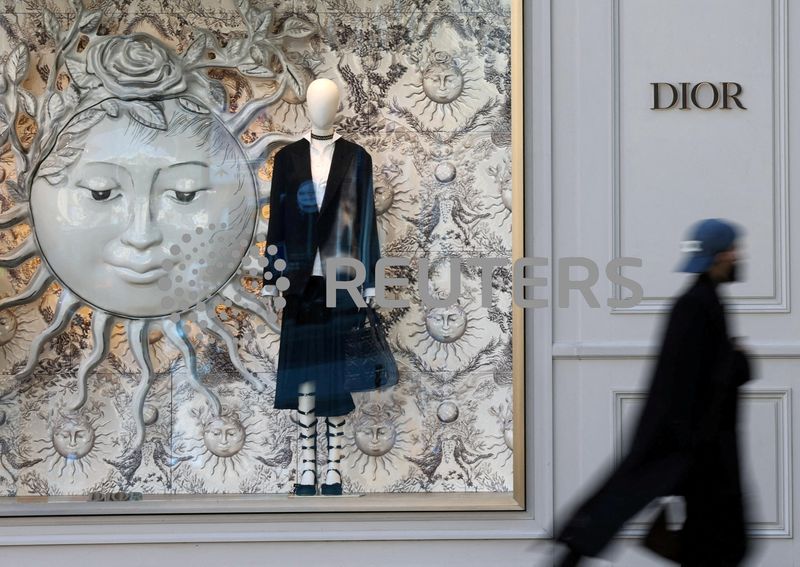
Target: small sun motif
(444,86)
(377,432)
(221,441)
(73,442)
(449,330)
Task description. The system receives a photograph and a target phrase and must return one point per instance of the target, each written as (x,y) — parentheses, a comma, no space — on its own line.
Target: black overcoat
(344,226)
(685,441)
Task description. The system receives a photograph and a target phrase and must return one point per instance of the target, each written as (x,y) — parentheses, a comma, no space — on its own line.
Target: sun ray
(265,145)
(18,255)
(14,215)
(102,325)
(238,123)
(140,345)
(216,328)
(37,285)
(138,330)
(68,304)
(235,293)
(176,334)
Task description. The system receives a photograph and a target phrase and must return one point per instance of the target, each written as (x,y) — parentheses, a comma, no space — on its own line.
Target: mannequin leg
(335,435)
(307,468)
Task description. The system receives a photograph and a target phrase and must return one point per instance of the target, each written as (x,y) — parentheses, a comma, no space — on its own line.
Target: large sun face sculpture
(146,222)
(143,201)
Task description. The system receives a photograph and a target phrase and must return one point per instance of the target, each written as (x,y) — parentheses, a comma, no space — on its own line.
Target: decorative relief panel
(158,376)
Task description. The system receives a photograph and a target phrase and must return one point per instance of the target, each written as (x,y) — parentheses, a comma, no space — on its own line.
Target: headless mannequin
(322,99)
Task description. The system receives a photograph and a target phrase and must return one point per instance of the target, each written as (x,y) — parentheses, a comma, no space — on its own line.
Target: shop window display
(139,344)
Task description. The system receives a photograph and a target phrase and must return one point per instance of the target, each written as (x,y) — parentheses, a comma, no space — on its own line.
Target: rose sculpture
(138,66)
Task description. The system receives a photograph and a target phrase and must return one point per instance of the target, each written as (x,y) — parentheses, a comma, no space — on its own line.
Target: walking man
(685,442)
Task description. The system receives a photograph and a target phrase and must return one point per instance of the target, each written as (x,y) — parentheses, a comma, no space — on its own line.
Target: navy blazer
(344,226)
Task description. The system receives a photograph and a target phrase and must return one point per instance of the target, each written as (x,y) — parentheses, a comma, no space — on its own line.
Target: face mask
(734,275)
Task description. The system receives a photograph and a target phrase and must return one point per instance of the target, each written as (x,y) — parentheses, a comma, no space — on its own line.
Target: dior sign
(704,95)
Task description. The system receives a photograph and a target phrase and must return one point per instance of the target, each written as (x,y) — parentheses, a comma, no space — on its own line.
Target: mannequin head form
(322,97)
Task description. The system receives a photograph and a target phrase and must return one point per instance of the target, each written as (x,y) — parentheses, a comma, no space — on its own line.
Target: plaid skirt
(312,348)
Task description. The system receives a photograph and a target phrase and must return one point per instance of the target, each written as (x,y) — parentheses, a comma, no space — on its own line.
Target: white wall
(629,181)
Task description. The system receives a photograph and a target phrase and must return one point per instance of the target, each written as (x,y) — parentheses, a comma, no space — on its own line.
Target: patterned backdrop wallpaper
(426,89)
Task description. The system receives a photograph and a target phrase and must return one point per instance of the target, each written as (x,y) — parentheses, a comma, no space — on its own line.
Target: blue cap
(708,237)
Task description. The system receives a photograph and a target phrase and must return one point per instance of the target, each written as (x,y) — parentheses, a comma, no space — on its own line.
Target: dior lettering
(704,95)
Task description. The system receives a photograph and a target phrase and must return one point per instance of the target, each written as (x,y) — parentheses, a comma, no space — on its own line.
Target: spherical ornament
(507,197)
(445,172)
(447,412)
(155,335)
(508,437)
(150,414)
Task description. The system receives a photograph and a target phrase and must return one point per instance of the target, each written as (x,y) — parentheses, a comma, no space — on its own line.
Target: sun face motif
(150,224)
(377,431)
(73,440)
(446,324)
(448,330)
(443,82)
(144,204)
(384,197)
(73,437)
(392,196)
(444,87)
(375,439)
(145,222)
(224,436)
(221,441)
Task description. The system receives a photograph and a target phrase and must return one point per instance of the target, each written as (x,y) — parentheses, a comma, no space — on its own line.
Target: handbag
(369,362)
(662,541)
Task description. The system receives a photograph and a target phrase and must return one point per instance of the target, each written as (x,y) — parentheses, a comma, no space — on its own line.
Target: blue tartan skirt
(312,347)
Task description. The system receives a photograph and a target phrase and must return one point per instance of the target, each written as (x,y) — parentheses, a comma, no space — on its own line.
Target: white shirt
(321,159)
